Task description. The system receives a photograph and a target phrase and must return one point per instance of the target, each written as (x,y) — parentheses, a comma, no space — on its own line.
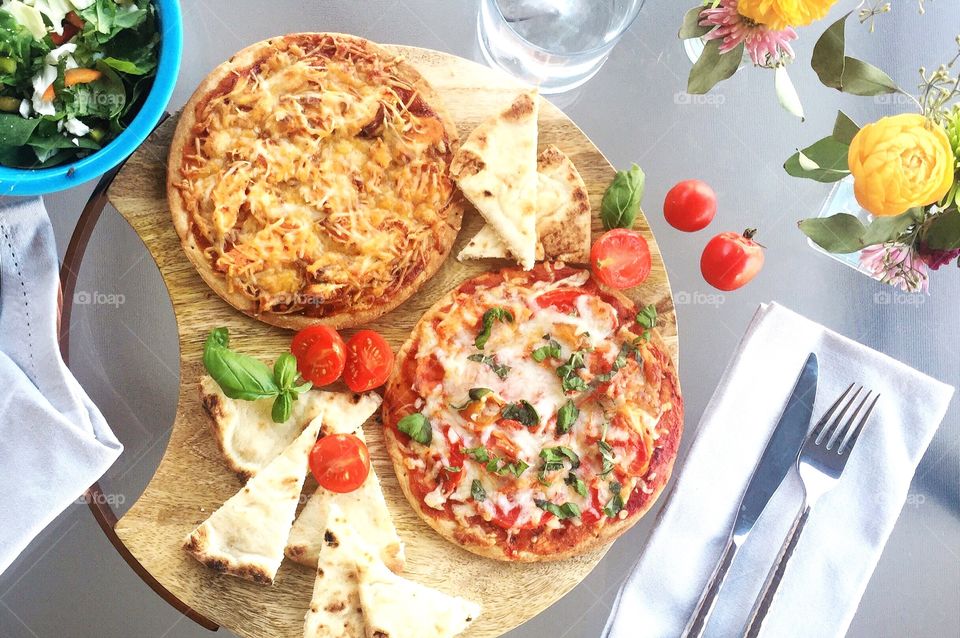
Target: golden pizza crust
(183,136)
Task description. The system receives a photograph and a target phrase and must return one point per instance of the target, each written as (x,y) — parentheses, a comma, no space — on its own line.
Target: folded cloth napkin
(846,531)
(54,443)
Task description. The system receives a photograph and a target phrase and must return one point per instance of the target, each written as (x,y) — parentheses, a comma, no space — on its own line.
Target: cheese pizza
(530,416)
(309,180)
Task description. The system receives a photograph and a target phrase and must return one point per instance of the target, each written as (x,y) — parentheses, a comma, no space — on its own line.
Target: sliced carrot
(81,76)
(48,94)
(75,20)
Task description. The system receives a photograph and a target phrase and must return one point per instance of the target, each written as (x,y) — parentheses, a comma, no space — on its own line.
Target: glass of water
(556,45)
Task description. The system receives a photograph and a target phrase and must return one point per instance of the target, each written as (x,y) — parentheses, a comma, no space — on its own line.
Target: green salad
(73,74)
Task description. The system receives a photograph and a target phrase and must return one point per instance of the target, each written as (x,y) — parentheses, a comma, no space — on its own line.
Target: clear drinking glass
(556,45)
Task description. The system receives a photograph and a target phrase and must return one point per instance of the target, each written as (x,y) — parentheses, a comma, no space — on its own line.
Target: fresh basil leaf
(549,351)
(489,318)
(239,376)
(282,407)
(565,511)
(567,415)
(478,453)
(499,369)
(559,454)
(516,468)
(621,201)
(647,318)
(285,371)
(606,456)
(578,485)
(417,427)
(523,412)
(477,491)
(615,504)
(567,372)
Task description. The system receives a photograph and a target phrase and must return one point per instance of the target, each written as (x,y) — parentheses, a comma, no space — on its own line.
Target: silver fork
(822,459)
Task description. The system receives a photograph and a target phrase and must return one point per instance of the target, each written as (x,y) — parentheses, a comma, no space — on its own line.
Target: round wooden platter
(192,479)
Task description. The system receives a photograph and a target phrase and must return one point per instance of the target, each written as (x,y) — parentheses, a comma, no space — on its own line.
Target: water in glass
(554,44)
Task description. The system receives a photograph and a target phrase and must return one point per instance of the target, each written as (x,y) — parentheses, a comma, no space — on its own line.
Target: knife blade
(778,457)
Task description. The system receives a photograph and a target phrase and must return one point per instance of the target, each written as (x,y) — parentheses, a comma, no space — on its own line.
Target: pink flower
(897,265)
(936,258)
(767,47)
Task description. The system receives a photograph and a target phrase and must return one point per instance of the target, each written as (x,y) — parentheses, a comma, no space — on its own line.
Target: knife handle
(698,621)
(772,583)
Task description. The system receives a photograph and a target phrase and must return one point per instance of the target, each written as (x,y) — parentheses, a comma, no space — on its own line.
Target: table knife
(778,457)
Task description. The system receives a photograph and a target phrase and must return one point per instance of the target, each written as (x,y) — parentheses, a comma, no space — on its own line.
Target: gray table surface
(70,582)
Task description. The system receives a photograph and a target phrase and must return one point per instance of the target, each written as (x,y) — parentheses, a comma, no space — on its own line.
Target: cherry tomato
(620,258)
(563,299)
(369,361)
(340,462)
(730,260)
(320,354)
(690,205)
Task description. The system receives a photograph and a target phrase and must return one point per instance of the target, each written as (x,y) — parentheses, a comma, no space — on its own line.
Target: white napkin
(848,527)
(54,443)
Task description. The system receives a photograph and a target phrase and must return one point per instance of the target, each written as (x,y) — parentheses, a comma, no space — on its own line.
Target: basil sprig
(248,379)
(489,317)
(417,427)
(567,510)
(621,201)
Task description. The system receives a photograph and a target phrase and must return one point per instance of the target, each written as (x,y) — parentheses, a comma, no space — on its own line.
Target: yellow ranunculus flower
(900,162)
(780,14)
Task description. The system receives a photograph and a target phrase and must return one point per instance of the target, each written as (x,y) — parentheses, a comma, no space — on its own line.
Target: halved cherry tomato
(369,361)
(690,205)
(563,299)
(620,259)
(340,462)
(730,260)
(321,354)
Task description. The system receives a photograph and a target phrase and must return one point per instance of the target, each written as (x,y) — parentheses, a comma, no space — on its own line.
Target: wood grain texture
(193,480)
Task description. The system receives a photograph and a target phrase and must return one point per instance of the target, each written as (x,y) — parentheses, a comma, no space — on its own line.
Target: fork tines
(835,428)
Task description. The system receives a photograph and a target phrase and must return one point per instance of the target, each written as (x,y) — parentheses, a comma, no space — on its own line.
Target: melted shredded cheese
(317,180)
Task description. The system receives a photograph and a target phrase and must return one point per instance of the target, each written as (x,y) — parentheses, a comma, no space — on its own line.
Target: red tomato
(340,462)
(730,260)
(320,354)
(563,299)
(620,258)
(369,361)
(690,205)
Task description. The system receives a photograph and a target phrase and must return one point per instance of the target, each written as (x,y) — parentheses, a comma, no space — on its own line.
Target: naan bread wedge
(563,215)
(394,607)
(246,536)
(246,433)
(335,606)
(364,507)
(496,169)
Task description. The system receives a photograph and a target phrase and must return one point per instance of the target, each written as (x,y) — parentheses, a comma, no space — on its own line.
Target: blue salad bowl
(25,181)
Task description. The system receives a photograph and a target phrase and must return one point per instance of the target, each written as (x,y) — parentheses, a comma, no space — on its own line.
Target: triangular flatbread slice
(563,215)
(246,433)
(364,507)
(335,606)
(394,607)
(496,169)
(246,536)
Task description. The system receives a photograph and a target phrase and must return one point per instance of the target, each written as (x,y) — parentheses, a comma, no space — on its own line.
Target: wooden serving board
(192,479)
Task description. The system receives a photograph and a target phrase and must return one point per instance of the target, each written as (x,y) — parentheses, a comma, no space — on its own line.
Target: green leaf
(691,24)
(647,318)
(569,379)
(825,161)
(578,485)
(787,93)
(712,67)
(549,351)
(477,491)
(499,369)
(16,130)
(843,73)
(615,504)
(555,456)
(944,231)
(523,412)
(844,129)
(606,455)
(282,407)
(567,416)
(479,453)
(285,371)
(565,511)
(476,394)
(489,317)
(417,427)
(239,376)
(621,201)
(843,233)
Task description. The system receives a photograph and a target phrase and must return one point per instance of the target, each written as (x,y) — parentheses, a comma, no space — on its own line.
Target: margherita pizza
(530,417)
(309,180)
